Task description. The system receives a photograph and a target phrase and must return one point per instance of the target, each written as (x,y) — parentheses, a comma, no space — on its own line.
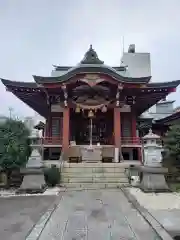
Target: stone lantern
(152,150)
(35,160)
(153,179)
(33,181)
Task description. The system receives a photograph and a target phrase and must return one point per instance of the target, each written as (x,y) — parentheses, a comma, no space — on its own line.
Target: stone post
(153,179)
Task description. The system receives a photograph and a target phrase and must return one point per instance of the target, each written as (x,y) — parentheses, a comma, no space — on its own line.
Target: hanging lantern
(78,109)
(104,109)
(134,99)
(117,103)
(90,114)
(65,103)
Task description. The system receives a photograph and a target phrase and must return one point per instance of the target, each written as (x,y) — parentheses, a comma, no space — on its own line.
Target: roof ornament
(91,57)
(131,48)
(150,131)
(151,135)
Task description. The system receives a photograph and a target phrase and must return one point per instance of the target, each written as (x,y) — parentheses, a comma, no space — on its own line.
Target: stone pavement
(170,219)
(164,207)
(19,214)
(96,214)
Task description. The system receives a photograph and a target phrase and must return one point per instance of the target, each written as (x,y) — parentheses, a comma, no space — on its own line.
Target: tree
(14,144)
(172,145)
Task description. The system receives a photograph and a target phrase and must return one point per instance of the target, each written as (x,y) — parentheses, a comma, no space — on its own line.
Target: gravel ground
(19,214)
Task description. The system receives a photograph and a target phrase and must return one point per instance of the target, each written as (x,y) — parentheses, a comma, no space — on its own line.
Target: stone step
(95,185)
(92,175)
(94,180)
(93,170)
(94,165)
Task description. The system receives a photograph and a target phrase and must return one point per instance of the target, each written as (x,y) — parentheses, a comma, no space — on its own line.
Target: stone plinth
(33,181)
(152,172)
(91,153)
(153,179)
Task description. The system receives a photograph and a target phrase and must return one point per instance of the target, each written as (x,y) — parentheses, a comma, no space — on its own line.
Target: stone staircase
(94,175)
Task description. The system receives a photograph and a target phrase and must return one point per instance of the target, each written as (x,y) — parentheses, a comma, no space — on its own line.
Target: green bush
(52,176)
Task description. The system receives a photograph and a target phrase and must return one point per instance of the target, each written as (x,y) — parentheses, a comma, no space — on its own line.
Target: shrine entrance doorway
(96,129)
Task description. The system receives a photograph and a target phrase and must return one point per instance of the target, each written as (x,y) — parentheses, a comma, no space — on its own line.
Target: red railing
(52,140)
(131,141)
(124,141)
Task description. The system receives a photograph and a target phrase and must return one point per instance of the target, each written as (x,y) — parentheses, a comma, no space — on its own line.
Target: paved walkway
(96,215)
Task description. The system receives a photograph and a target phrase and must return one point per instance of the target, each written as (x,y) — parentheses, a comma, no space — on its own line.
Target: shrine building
(93,104)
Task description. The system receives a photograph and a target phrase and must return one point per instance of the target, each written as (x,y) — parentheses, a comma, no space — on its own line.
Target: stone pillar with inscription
(153,179)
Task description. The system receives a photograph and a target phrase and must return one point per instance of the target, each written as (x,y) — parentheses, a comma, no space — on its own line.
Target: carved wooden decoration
(143,86)
(120,86)
(54,99)
(91,79)
(92,107)
(65,95)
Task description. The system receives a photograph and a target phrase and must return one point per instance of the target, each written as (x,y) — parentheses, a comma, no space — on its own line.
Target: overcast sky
(38,33)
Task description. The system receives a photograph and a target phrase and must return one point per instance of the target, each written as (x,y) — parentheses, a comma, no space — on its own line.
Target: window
(126,126)
(56,127)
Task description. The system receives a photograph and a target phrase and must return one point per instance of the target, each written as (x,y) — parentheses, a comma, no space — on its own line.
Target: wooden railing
(131,141)
(58,141)
(51,140)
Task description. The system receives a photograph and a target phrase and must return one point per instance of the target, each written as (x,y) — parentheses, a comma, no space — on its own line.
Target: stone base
(91,154)
(153,180)
(33,184)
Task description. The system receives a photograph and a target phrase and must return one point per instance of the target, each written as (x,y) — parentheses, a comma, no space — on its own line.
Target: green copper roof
(66,68)
(9,83)
(90,68)
(91,57)
(92,64)
(172,84)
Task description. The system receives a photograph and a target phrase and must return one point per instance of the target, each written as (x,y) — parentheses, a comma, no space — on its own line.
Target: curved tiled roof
(135,69)
(169,118)
(9,83)
(92,64)
(32,95)
(172,84)
(91,68)
(39,103)
(66,68)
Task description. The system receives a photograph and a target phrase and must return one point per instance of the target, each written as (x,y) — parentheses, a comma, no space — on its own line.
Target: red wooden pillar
(135,137)
(117,127)
(47,127)
(65,135)
(43,132)
(50,126)
(133,127)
